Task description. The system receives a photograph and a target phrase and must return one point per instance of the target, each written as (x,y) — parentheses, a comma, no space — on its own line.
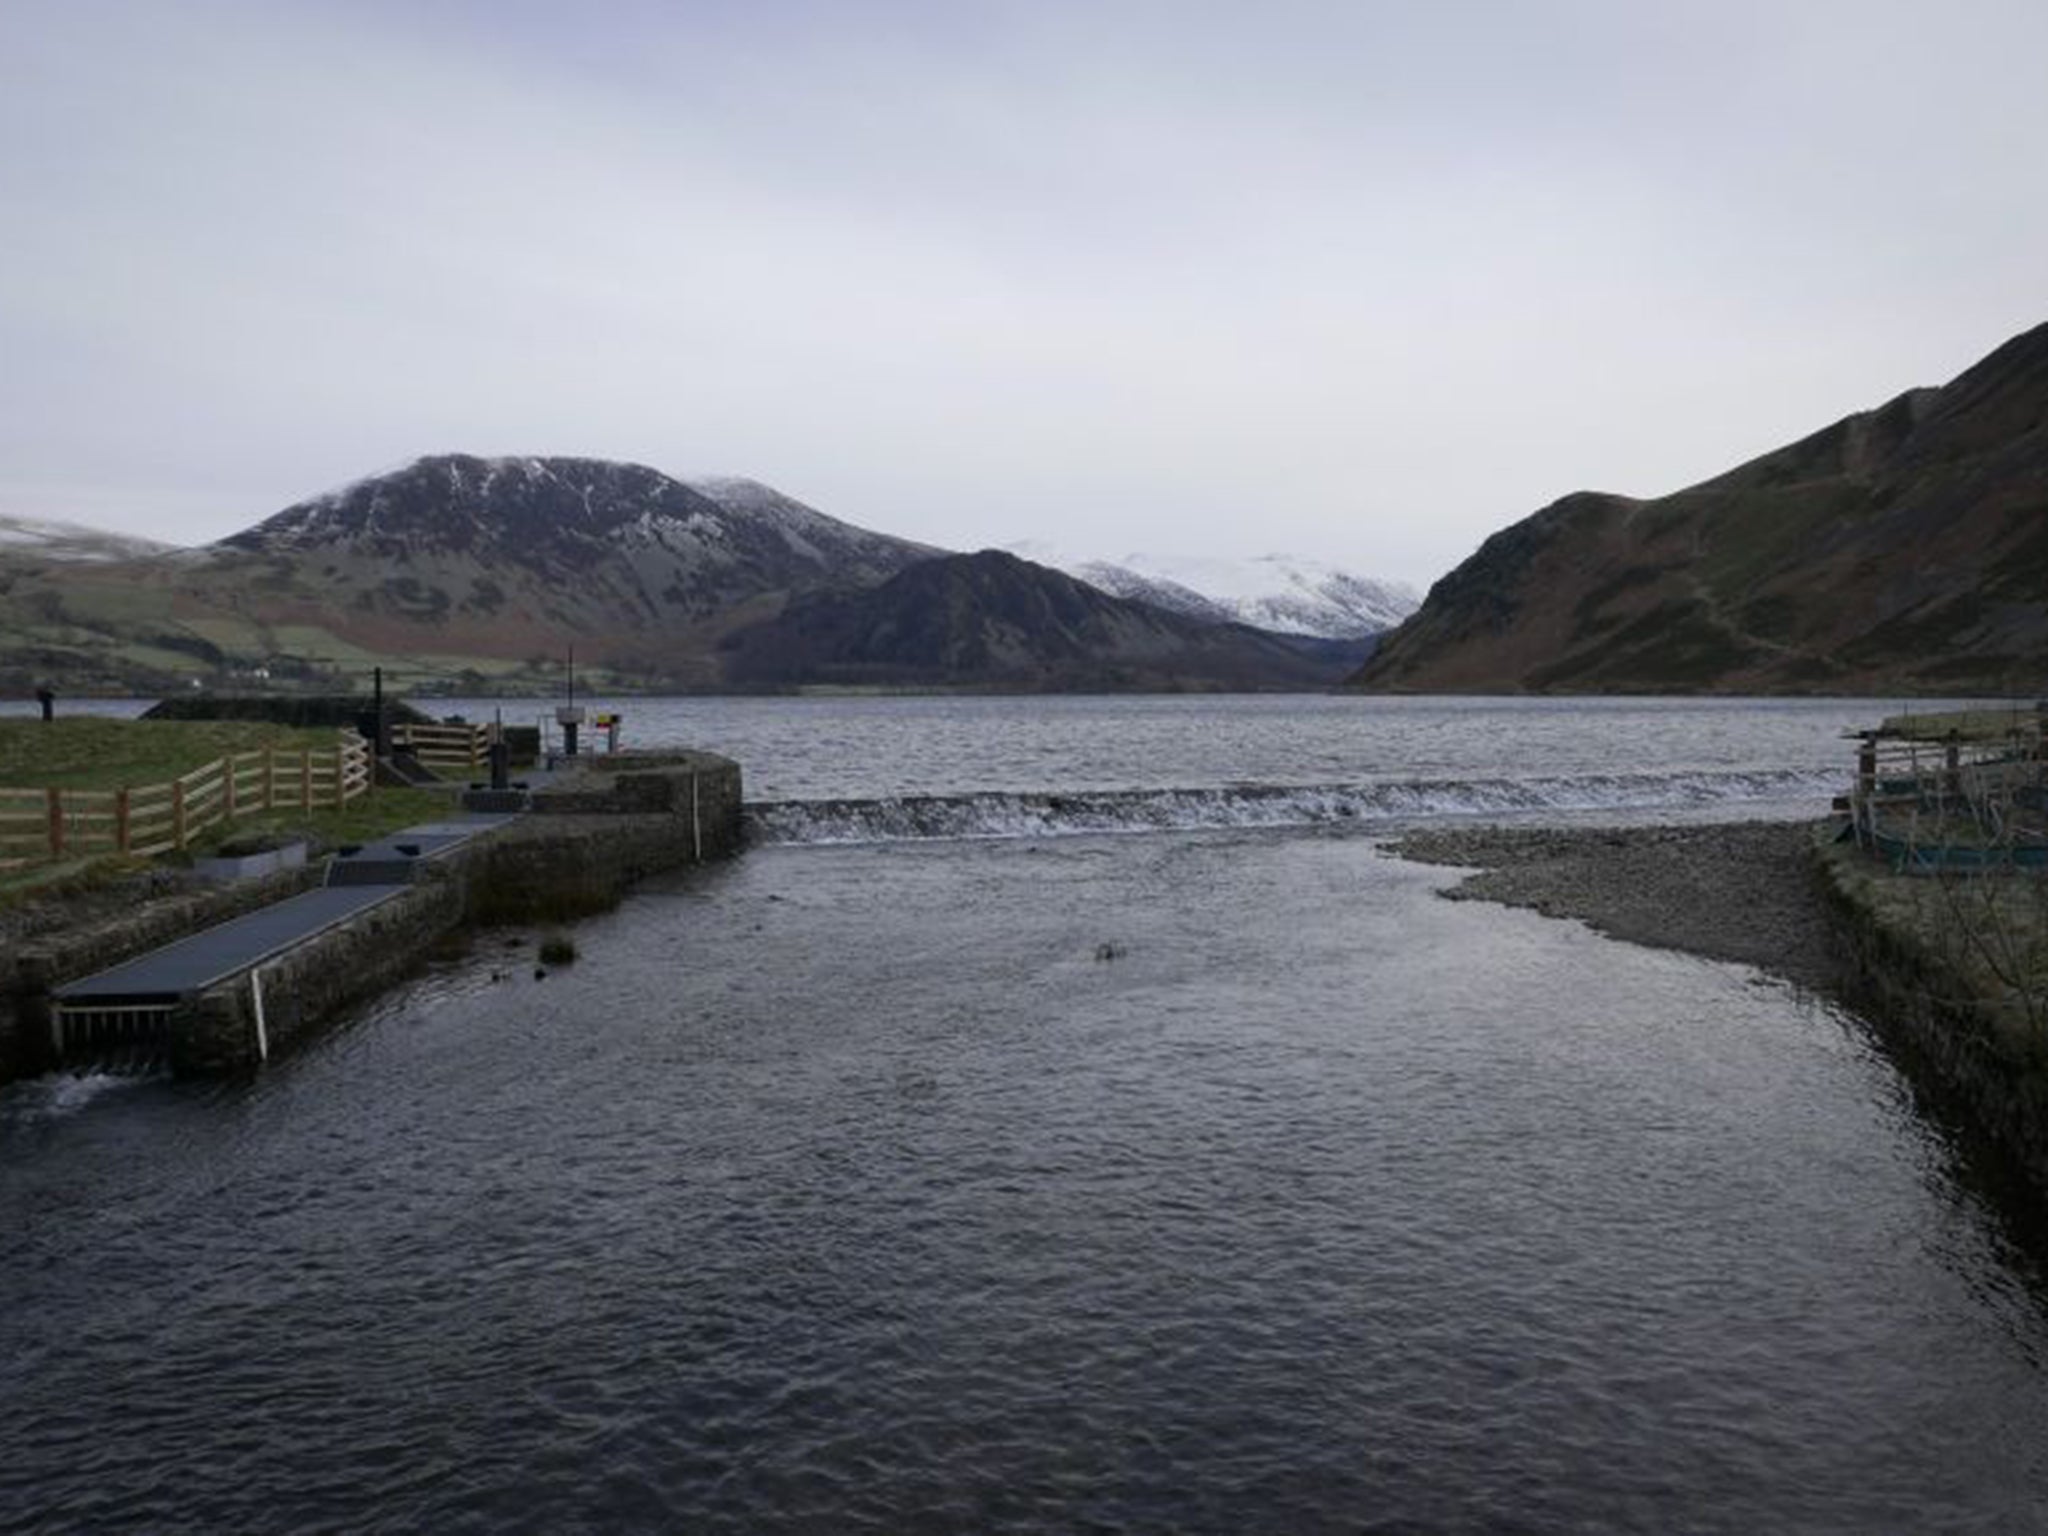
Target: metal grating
(128,1038)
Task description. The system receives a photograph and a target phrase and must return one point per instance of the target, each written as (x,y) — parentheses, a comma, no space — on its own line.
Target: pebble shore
(1733,891)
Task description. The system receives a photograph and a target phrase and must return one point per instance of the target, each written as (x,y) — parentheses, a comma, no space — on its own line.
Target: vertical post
(121,820)
(306,777)
(56,803)
(696,824)
(377,704)
(262,1031)
(1863,805)
(178,813)
(227,788)
(269,777)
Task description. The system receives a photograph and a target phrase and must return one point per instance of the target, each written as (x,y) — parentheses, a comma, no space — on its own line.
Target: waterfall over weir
(1015,814)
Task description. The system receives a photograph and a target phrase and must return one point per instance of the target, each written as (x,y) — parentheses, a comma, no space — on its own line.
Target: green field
(96,753)
(85,752)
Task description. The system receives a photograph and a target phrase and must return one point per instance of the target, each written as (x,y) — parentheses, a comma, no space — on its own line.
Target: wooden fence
(457,749)
(145,819)
(1944,791)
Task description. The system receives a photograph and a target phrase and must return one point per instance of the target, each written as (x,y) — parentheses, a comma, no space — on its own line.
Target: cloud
(1357,280)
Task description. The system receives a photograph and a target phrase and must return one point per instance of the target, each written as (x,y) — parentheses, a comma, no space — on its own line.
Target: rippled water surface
(818,748)
(945,1163)
(847,1188)
(868,748)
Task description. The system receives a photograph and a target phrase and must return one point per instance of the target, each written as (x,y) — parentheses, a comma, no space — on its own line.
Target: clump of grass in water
(557,949)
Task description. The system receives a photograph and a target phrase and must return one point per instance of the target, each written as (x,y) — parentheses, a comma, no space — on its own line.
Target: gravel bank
(1736,891)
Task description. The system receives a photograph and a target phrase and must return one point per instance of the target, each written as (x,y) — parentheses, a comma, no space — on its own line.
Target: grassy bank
(98,754)
(87,752)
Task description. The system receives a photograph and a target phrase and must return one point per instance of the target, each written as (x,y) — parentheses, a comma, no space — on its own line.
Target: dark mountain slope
(991,620)
(585,546)
(1903,549)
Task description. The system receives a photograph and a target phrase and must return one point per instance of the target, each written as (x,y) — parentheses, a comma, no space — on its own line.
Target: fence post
(269,777)
(227,789)
(121,820)
(306,777)
(178,813)
(56,823)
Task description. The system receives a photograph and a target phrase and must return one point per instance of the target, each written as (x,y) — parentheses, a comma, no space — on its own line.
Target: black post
(377,704)
(48,700)
(570,719)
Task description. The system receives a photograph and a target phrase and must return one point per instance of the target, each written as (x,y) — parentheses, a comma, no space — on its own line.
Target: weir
(1015,814)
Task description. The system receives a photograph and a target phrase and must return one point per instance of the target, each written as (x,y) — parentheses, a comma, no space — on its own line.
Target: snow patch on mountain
(1289,594)
(73,541)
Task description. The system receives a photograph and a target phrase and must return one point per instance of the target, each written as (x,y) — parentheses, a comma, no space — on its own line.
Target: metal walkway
(214,954)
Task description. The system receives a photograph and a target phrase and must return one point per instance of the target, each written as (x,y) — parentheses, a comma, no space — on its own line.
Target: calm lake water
(846,1187)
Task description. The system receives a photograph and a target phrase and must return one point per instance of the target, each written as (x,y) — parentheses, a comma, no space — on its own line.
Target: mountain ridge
(483,572)
(1899,549)
(1279,593)
(994,620)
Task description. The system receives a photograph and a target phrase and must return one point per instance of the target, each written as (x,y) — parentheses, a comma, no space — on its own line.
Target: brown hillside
(1901,550)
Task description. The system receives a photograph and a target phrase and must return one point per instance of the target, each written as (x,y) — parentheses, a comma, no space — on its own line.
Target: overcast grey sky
(1362,281)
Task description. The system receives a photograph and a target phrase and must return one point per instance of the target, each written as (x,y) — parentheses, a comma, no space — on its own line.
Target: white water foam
(57,1095)
(1035,815)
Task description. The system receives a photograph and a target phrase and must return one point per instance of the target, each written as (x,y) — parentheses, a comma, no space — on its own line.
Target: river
(1064,1117)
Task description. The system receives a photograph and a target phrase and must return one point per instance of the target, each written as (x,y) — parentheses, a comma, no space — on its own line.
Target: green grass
(93,753)
(1968,724)
(367,817)
(85,752)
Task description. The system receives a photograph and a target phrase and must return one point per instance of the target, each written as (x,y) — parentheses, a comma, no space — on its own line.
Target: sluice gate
(126,1038)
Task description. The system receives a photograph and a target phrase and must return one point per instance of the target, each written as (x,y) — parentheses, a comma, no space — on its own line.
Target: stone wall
(33,965)
(1962,1043)
(311,985)
(600,834)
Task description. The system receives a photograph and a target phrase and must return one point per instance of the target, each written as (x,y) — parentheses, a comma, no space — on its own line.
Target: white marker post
(262,1033)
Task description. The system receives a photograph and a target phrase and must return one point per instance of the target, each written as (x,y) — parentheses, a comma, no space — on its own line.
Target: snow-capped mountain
(40,539)
(1288,594)
(519,545)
